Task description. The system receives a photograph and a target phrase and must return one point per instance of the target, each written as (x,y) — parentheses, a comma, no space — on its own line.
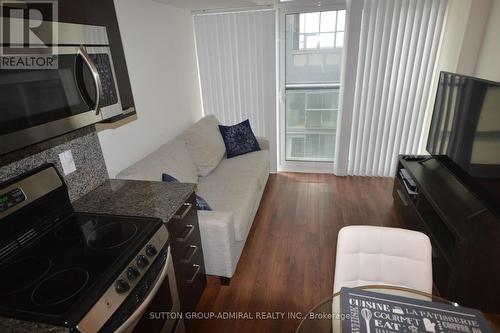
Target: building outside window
(313,43)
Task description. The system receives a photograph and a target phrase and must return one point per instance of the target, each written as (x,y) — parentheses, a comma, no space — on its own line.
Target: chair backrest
(369,255)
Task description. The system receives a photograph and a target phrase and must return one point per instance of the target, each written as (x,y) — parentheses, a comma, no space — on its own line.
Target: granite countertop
(118,197)
(8,325)
(136,198)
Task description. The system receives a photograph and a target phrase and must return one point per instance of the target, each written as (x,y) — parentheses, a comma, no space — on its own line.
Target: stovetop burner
(111,235)
(72,231)
(22,274)
(60,287)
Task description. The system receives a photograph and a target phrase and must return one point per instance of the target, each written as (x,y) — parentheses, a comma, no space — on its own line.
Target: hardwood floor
(288,261)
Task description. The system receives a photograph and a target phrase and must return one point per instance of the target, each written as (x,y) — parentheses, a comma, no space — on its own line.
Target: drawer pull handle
(191,280)
(189,257)
(187,207)
(188,234)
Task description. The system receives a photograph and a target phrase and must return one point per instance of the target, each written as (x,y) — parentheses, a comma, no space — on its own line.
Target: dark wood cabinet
(465,235)
(187,254)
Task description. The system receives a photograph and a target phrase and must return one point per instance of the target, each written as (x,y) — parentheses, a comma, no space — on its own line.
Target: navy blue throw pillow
(201,204)
(239,139)
(167,178)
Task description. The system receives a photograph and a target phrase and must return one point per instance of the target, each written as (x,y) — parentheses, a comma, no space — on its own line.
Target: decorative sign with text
(371,312)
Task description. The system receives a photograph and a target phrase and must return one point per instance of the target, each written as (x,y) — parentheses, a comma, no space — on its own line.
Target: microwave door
(37,104)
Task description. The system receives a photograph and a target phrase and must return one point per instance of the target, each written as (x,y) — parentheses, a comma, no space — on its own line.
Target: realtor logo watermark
(28,39)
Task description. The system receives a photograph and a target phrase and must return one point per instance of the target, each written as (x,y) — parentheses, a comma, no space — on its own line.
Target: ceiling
(214,4)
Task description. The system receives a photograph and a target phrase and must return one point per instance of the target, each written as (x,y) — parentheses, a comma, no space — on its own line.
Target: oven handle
(95,75)
(140,310)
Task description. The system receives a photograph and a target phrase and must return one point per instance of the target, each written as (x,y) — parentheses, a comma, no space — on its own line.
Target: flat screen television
(465,133)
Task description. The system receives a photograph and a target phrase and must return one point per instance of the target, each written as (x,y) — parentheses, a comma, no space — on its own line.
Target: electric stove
(56,264)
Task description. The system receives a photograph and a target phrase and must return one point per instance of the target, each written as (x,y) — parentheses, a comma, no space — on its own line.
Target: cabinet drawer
(185,240)
(193,269)
(193,282)
(184,216)
(187,254)
(186,234)
(190,253)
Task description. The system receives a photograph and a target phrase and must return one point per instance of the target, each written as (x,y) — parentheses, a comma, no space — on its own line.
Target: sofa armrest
(217,238)
(263,142)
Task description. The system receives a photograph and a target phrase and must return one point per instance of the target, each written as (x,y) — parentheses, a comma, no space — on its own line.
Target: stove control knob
(121,286)
(133,273)
(142,261)
(151,250)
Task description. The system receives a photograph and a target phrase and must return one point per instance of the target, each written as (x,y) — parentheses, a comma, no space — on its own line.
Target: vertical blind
(236,59)
(398,44)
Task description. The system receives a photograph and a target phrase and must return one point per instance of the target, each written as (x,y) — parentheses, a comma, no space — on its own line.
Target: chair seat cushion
(380,255)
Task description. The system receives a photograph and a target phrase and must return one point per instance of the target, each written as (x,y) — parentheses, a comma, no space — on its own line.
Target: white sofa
(233,188)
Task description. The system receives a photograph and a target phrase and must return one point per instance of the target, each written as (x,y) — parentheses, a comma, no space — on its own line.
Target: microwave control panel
(109,95)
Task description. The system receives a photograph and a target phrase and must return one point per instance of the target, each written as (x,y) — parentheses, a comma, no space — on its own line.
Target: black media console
(465,235)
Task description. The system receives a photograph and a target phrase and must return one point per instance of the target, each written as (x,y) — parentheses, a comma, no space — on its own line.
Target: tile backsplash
(84,144)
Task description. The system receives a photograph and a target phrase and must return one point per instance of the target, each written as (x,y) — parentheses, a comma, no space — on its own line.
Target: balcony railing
(311,122)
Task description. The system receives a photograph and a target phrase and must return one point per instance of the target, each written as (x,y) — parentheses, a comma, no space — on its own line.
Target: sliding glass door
(311,61)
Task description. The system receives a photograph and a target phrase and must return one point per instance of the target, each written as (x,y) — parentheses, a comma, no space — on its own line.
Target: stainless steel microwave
(40,103)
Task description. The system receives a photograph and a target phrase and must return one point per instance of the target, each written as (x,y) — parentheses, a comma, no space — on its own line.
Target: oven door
(37,104)
(155,314)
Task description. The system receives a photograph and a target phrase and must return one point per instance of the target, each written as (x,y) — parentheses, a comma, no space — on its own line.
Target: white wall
(461,40)
(488,65)
(159,46)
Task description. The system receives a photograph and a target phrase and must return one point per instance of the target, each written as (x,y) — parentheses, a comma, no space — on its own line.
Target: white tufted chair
(369,255)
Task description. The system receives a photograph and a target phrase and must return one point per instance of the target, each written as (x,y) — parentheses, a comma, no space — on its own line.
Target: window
(311,122)
(321,30)
(313,60)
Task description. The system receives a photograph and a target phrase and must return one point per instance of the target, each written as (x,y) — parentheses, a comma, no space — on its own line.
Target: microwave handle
(95,76)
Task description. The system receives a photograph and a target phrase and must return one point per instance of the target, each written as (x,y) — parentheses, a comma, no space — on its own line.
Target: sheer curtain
(237,65)
(393,60)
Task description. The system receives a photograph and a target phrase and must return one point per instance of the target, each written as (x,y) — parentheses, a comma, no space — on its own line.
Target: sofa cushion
(205,144)
(239,139)
(237,196)
(171,158)
(254,165)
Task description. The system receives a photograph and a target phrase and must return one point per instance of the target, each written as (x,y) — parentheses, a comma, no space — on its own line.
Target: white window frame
(283,164)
